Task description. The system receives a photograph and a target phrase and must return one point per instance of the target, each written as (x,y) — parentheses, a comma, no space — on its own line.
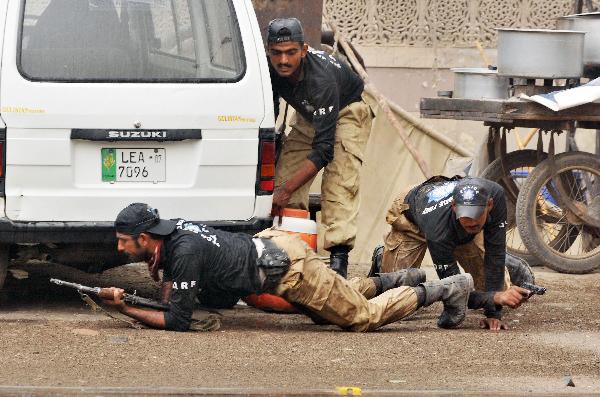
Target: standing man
(330,131)
(458,220)
(197,257)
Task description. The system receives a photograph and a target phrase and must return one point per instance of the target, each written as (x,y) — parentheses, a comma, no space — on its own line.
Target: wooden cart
(553,199)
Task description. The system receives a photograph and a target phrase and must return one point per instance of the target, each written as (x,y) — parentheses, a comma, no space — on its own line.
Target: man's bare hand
(512,297)
(113,297)
(493,324)
(281,198)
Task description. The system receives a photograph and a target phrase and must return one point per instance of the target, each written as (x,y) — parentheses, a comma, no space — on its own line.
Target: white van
(108,102)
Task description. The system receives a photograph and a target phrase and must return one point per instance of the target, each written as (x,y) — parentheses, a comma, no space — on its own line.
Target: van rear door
(109,102)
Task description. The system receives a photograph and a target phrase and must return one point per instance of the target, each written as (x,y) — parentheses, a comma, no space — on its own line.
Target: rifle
(535,289)
(104,294)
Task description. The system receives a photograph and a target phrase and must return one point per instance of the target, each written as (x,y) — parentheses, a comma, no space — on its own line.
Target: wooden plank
(505,110)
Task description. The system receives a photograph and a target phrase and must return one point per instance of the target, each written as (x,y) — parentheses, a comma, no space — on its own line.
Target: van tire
(4,262)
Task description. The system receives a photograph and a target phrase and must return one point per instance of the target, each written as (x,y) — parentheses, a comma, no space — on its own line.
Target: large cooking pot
(589,23)
(479,83)
(540,53)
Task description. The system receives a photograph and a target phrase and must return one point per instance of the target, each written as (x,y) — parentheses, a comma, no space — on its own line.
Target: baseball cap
(470,198)
(285,29)
(138,218)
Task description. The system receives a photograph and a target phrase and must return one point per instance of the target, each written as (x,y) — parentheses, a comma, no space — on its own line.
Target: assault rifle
(104,293)
(535,289)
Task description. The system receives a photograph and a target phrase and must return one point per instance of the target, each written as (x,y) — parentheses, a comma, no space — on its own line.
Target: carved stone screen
(444,23)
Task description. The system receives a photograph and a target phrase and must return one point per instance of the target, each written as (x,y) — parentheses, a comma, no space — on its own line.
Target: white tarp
(565,99)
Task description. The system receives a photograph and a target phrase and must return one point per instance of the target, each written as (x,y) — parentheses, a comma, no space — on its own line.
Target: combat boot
(454,292)
(338,260)
(376,261)
(402,278)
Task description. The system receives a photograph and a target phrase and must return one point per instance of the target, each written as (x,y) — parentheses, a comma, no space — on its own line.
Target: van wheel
(4,262)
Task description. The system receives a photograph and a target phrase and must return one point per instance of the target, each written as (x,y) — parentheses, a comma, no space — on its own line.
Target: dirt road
(51,343)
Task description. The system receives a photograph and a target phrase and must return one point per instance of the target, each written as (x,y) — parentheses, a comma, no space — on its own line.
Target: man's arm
(494,236)
(152,318)
(325,116)
(181,293)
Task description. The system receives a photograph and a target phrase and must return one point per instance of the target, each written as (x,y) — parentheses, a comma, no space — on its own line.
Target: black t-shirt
(431,209)
(198,257)
(326,86)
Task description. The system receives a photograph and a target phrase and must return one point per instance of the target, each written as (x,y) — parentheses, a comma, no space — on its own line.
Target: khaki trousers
(320,290)
(340,198)
(405,246)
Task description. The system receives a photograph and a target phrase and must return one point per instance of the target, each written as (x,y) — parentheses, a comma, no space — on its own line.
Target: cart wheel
(518,167)
(554,234)
(4,262)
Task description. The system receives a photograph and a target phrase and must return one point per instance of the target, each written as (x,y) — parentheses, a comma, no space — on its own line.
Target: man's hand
(281,197)
(493,324)
(113,297)
(512,297)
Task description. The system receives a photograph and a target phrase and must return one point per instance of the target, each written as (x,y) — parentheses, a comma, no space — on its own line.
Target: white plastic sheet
(565,99)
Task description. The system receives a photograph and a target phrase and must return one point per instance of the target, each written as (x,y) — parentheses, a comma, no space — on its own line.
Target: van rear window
(131,41)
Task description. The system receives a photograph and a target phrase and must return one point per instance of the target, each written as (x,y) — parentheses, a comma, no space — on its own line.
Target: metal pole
(598,142)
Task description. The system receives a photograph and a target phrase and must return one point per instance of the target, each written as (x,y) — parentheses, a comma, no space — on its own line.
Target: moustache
(284,65)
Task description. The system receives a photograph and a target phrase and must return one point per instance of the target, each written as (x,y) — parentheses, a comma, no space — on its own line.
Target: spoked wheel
(517,167)
(558,212)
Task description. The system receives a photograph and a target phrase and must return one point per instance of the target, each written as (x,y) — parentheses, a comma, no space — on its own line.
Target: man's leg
(295,150)
(317,288)
(405,245)
(340,198)
(373,286)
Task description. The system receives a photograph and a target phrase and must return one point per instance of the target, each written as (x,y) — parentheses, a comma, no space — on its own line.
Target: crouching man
(195,257)
(460,221)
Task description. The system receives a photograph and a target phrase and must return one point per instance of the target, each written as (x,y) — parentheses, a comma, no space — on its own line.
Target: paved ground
(50,343)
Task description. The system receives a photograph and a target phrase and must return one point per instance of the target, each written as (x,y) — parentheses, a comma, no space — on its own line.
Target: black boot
(402,278)
(376,261)
(454,292)
(338,260)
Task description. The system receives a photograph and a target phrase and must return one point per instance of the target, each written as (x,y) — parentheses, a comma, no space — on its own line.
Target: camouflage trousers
(340,199)
(405,246)
(350,304)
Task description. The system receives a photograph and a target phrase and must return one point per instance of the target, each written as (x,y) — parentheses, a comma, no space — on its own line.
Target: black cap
(285,29)
(470,198)
(138,218)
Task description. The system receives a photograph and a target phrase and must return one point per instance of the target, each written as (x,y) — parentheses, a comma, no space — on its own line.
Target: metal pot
(540,53)
(589,23)
(479,83)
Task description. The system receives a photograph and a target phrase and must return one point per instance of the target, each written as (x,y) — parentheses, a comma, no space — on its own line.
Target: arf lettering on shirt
(323,111)
(184,284)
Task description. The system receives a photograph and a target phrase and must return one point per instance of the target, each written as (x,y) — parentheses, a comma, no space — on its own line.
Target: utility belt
(272,263)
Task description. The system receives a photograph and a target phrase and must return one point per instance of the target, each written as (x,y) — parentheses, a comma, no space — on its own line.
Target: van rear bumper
(96,232)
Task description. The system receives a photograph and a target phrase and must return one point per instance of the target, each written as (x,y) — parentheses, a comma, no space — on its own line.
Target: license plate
(133,165)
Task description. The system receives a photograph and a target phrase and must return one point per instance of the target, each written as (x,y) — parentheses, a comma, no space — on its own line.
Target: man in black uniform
(195,257)
(330,130)
(460,220)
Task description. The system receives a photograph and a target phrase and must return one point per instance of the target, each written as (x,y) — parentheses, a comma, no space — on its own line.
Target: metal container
(589,23)
(540,53)
(479,83)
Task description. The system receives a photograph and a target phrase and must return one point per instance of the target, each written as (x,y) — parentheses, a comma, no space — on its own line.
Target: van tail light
(2,159)
(265,181)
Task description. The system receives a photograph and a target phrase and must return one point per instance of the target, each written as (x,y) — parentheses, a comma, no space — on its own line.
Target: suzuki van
(108,102)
